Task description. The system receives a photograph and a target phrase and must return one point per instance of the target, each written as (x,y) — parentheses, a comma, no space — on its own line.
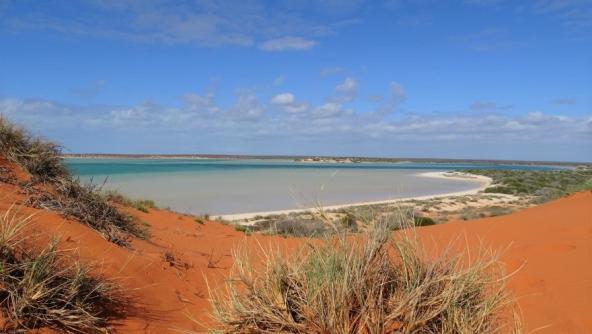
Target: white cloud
(346,91)
(296,108)
(348,86)
(288,44)
(201,103)
(329,109)
(287,103)
(283,99)
(328,122)
(247,107)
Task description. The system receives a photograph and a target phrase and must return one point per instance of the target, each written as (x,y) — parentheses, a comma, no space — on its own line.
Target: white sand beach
(484,182)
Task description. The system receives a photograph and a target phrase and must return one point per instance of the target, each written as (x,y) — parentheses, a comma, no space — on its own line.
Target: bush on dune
(373,284)
(38,157)
(71,198)
(39,289)
(88,205)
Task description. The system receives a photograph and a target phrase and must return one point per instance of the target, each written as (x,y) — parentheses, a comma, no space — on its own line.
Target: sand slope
(166,275)
(552,244)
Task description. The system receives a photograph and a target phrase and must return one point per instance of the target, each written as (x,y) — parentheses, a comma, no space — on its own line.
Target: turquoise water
(220,187)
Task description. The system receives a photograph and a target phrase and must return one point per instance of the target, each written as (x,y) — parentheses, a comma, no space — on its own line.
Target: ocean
(222,187)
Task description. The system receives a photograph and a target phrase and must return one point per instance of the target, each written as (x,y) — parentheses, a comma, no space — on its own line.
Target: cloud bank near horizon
(285,125)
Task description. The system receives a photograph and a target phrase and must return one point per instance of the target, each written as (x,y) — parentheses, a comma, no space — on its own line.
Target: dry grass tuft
(38,157)
(87,204)
(70,197)
(371,284)
(142,205)
(39,289)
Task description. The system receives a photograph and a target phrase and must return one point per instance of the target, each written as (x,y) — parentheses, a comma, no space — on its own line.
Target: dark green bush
(424,221)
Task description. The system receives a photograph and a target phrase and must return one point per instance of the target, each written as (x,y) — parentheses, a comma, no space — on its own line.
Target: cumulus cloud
(388,103)
(329,109)
(348,86)
(283,99)
(201,103)
(247,107)
(288,44)
(288,103)
(346,91)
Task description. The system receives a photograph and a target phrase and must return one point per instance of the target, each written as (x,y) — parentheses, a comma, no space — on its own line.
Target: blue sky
(418,78)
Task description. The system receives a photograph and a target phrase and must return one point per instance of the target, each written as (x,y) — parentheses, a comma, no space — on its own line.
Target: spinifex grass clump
(373,284)
(40,289)
(38,157)
(87,204)
(70,197)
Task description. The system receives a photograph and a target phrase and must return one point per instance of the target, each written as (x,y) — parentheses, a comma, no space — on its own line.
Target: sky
(483,79)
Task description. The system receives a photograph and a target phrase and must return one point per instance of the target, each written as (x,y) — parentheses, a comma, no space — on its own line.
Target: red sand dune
(552,246)
(552,243)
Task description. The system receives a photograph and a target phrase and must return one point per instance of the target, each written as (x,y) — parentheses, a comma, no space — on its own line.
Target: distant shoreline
(484,183)
(322,159)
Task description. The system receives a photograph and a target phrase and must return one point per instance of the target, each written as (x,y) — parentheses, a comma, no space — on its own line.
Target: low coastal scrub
(294,226)
(372,284)
(38,288)
(541,186)
(324,223)
(68,196)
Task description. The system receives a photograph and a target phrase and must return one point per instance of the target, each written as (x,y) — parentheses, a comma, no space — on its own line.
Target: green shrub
(423,221)
(241,228)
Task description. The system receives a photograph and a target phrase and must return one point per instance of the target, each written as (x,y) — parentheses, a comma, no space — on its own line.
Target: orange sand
(553,243)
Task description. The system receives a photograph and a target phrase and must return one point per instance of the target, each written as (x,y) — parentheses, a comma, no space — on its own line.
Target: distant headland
(320,159)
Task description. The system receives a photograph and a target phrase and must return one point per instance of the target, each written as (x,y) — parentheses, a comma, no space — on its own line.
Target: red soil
(552,243)
(551,247)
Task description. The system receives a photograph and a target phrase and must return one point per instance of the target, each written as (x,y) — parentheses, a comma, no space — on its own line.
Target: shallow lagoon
(220,187)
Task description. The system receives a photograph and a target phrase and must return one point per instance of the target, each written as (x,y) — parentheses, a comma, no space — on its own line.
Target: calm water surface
(238,186)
